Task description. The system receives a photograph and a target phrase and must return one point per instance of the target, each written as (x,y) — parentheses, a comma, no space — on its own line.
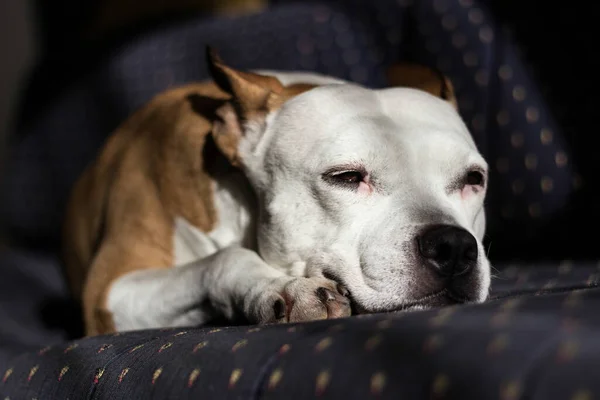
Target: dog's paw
(304,299)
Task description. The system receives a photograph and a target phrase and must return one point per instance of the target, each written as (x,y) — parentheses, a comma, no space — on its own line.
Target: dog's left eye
(475,178)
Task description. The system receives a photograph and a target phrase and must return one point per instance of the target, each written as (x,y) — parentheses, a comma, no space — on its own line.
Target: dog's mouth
(441,298)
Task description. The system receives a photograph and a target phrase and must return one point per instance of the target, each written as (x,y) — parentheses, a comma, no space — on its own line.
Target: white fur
(413,144)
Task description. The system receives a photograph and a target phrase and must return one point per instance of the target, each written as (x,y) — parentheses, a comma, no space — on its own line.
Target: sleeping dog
(274,197)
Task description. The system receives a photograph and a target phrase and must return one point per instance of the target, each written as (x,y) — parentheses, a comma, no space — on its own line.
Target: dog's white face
(380,190)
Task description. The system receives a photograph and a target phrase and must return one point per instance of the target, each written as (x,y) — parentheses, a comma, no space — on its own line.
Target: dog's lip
(424,301)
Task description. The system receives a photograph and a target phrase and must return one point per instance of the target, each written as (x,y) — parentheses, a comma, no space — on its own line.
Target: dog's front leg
(230,284)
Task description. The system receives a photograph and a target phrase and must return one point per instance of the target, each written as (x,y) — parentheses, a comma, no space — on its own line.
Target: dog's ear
(253,96)
(423,78)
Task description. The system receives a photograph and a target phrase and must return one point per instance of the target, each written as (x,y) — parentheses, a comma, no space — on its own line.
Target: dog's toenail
(279,309)
(325,295)
(342,290)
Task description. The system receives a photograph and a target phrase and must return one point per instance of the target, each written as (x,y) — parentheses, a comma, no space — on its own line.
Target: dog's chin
(442,298)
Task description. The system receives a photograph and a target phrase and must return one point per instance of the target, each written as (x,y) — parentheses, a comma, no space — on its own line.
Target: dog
(275,197)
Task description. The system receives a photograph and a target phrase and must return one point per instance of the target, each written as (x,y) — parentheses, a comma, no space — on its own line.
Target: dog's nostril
(451,250)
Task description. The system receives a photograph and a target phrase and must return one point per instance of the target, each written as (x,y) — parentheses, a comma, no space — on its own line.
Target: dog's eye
(348,177)
(475,178)
(344,177)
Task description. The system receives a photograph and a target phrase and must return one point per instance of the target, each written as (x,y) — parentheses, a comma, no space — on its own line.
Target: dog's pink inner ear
(421,77)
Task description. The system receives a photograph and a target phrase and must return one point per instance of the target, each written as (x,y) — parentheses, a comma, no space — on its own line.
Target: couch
(534,339)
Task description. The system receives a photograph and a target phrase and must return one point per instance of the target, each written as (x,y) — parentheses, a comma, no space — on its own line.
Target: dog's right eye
(349,177)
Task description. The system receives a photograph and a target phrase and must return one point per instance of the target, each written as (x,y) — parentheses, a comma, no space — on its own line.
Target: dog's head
(381,190)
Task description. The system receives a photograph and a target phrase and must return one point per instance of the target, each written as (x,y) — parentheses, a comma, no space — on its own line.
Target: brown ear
(423,78)
(252,97)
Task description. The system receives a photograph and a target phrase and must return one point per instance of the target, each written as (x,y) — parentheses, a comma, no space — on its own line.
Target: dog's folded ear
(424,78)
(250,92)
(253,96)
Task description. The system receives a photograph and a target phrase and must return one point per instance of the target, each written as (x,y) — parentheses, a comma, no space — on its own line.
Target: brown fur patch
(121,212)
(423,78)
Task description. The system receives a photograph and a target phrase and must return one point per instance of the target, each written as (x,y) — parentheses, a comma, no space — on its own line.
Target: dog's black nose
(451,250)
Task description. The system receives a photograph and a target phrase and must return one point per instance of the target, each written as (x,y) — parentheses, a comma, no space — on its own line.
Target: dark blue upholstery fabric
(536,339)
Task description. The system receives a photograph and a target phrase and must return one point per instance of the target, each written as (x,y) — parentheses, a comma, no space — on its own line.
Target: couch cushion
(536,338)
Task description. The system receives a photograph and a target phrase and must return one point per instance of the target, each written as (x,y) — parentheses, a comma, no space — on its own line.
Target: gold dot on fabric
(535,210)
(373,342)
(449,22)
(486,34)
(470,59)
(377,383)
(459,40)
(193,377)
(518,186)
(440,385)
(476,16)
(323,344)
(561,159)
(517,139)
(547,184)
(275,378)
(498,344)
(155,375)
(322,382)
(482,77)
(165,347)
(502,164)
(284,349)
(531,161)
(546,136)
(253,330)
(532,114)
(510,391)
(567,351)
(65,369)
(582,394)
(519,93)
(503,118)
(235,377)
(505,72)
(32,372)
(123,374)
(199,346)
(239,344)
(9,372)
(478,122)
